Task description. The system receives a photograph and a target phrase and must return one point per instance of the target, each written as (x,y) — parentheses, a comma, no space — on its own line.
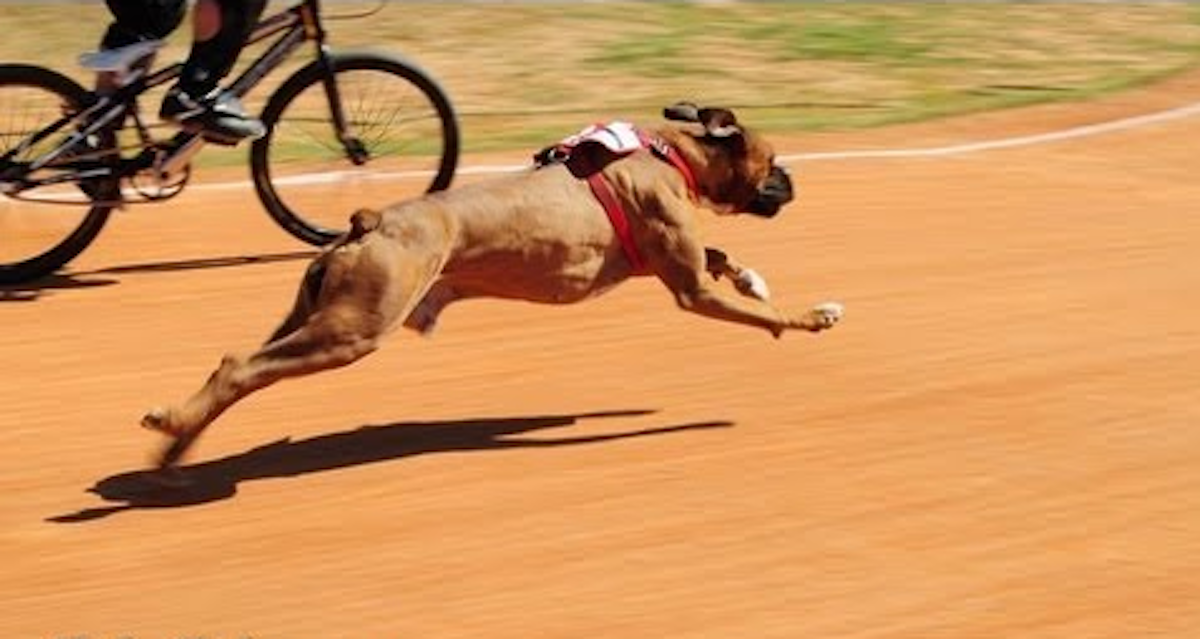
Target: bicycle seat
(120,61)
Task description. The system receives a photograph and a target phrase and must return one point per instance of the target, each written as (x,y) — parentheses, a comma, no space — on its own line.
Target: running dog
(596,210)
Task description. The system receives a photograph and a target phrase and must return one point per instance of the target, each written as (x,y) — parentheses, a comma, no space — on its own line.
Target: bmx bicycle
(340,125)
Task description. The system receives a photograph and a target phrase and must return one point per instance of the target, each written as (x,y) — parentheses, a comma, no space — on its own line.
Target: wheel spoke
(309,181)
(42,227)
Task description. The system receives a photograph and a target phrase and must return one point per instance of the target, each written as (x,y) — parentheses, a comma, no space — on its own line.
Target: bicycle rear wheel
(44,227)
(402,141)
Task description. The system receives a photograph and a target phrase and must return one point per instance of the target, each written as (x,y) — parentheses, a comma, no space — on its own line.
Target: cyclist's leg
(135,21)
(220,28)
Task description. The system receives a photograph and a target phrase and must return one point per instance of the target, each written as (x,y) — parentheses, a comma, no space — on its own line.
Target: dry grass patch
(522,74)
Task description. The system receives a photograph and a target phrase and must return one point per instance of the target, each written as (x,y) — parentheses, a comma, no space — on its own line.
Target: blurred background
(524,73)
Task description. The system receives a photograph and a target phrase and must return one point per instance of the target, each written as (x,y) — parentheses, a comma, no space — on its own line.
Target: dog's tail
(363,221)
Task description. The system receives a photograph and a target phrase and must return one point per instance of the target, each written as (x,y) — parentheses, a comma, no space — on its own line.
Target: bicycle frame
(294,25)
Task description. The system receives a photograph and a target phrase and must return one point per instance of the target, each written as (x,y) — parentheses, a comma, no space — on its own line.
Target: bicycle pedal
(120,61)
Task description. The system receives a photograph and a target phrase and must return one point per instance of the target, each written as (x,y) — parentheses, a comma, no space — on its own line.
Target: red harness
(603,192)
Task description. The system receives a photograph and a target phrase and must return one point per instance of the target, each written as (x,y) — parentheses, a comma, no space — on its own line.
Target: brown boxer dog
(541,235)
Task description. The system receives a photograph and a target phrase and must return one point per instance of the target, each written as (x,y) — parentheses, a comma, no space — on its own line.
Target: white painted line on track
(1089,130)
(1006,143)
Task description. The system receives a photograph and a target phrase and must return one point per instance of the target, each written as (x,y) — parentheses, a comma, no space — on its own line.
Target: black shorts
(137,20)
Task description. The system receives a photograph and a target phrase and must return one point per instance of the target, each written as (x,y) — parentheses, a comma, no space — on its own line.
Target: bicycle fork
(356,151)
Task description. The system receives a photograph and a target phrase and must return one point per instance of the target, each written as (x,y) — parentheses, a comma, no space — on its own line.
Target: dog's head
(735,167)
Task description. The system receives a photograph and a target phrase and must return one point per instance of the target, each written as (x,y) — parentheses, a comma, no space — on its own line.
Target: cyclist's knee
(212,58)
(137,20)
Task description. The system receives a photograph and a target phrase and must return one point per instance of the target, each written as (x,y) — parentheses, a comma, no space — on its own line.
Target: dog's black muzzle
(775,192)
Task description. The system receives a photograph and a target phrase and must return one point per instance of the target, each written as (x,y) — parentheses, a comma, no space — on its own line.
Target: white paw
(751,284)
(828,313)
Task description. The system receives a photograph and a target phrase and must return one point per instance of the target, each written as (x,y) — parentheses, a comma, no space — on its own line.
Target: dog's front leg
(709,301)
(746,280)
(682,269)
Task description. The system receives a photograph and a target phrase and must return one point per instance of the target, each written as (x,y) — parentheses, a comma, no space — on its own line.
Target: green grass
(875,40)
(523,75)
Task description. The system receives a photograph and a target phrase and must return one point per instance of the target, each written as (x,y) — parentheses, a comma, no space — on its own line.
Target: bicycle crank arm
(181,157)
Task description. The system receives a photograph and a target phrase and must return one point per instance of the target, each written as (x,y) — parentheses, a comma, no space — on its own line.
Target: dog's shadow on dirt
(217,480)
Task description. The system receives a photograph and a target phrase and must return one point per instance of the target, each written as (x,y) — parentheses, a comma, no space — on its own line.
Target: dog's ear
(719,123)
(682,112)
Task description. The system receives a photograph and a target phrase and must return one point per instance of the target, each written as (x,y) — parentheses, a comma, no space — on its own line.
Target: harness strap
(671,155)
(619,140)
(603,192)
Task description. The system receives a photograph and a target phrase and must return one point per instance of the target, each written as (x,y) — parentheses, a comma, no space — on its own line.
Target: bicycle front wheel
(400,140)
(47,217)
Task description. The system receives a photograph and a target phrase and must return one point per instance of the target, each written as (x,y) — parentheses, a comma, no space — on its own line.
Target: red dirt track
(1000,440)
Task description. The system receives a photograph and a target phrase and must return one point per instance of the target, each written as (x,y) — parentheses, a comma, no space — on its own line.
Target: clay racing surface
(1000,440)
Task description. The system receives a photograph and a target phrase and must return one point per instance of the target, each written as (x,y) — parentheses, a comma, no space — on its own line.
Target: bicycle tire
(405,75)
(70,96)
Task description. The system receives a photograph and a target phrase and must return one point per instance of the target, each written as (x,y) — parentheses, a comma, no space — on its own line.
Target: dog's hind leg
(363,221)
(368,290)
(424,316)
(314,347)
(305,302)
